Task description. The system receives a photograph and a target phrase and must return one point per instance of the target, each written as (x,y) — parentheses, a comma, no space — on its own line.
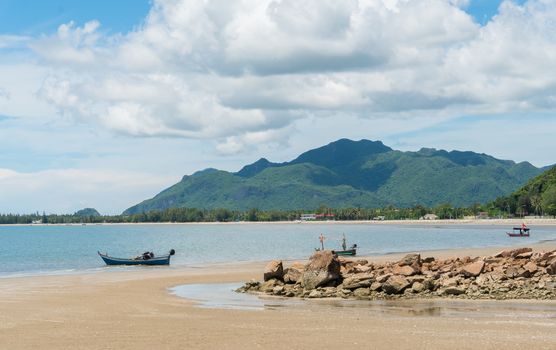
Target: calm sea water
(30,250)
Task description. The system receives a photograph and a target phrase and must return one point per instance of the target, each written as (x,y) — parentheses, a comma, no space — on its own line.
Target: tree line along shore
(179,215)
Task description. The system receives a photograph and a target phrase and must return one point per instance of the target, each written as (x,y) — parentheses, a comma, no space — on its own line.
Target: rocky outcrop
(323,268)
(293,273)
(273,269)
(512,274)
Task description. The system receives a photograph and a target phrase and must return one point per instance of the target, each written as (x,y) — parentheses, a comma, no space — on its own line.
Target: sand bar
(133,310)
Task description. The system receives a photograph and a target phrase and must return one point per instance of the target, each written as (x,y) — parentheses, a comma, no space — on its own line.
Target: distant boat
(519,232)
(348,252)
(146,258)
(345,251)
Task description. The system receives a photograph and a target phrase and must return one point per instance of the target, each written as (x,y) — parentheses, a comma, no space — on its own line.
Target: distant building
(308,217)
(379,218)
(325,216)
(429,217)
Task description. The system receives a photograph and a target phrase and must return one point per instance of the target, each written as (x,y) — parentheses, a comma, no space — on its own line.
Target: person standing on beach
(321,239)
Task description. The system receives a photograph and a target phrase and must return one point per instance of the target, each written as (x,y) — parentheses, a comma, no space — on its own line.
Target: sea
(58,249)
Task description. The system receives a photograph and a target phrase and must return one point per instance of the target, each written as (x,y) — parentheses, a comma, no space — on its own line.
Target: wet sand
(134,310)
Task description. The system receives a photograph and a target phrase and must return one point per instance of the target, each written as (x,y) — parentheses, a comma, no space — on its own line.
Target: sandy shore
(133,310)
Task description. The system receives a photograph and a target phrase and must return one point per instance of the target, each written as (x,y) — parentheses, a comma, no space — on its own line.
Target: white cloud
(228,71)
(68,190)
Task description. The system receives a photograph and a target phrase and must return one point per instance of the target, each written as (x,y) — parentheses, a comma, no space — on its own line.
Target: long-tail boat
(519,232)
(147,258)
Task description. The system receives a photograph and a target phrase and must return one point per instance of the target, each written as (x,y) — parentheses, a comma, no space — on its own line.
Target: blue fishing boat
(147,258)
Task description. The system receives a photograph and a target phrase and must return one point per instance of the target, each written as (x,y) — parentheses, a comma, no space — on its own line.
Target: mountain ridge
(350,173)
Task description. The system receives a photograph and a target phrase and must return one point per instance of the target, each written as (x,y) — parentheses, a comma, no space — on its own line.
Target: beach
(133,309)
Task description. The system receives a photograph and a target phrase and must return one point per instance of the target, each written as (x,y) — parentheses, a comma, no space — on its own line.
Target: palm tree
(536,202)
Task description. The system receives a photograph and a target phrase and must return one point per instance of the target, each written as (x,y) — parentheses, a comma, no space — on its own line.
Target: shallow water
(223,296)
(31,250)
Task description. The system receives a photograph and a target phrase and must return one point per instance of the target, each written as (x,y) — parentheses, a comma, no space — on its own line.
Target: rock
(268,286)
(418,287)
(376,286)
(450,282)
(323,267)
(362,268)
(361,292)
(512,253)
(551,268)
(511,272)
(315,294)
(406,270)
(293,273)
(526,255)
(274,269)
(410,259)
(531,267)
(383,278)
(473,269)
(358,281)
(278,290)
(395,285)
(518,251)
(428,260)
(454,291)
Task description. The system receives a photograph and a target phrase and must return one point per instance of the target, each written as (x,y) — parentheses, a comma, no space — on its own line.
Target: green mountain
(537,197)
(87,212)
(348,173)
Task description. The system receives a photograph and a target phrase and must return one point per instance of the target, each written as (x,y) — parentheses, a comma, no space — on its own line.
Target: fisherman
(321,239)
(344,245)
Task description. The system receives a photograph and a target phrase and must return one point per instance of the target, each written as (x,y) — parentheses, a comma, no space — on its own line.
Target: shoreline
(440,253)
(135,310)
(464,222)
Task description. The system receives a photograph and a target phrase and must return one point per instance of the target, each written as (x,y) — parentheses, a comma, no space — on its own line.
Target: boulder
(268,286)
(376,286)
(551,268)
(531,267)
(418,287)
(454,291)
(361,292)
(358,281)
(323,267)
(362,268)
(411,260)
(526,255)
(395,285)
(512,271)
(273,269)
(405,270)
(383,278)
(473,269)
(293,273)
(512,253)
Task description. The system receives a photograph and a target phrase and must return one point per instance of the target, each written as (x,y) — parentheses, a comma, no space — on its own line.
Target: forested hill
(348,173)
(537,197)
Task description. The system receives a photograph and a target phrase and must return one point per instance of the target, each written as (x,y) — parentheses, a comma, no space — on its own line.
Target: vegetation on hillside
(537,197)
(346,174)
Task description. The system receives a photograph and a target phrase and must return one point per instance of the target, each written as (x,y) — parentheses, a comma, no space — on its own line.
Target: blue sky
(35,17)
(110,106)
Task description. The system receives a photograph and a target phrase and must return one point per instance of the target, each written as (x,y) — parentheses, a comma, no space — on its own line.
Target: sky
(105,103)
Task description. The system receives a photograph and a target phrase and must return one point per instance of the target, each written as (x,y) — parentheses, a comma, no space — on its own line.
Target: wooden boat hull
(157,260)
(348,252)
(517,234)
